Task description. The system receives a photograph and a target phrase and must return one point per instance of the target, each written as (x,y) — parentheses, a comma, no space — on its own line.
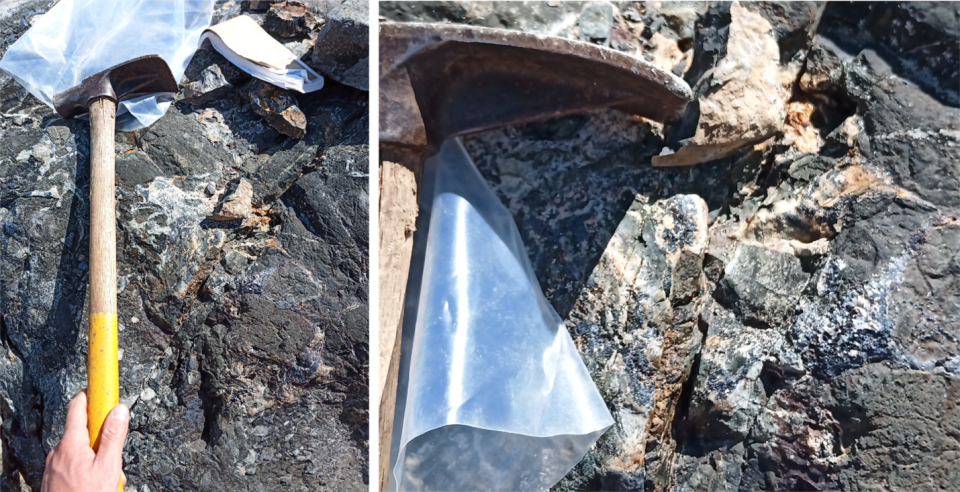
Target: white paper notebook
(242,41)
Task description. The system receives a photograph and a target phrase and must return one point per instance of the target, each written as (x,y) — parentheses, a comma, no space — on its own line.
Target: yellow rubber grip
(103,375)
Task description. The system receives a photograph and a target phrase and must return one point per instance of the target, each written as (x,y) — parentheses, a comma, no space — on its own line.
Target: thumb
(112,436)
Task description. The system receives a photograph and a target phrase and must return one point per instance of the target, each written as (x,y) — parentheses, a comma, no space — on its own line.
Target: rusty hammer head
(137,77)
(439,81)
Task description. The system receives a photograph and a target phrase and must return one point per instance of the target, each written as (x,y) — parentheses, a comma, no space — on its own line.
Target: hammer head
(137,77)
(440,81)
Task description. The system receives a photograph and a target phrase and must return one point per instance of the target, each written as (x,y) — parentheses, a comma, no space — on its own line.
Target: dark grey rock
(289,19)
(596,21)
(762,286)
(277,106)
(212,85)
(832,365)
(921,41)
(258,5)
(341,50)
(901,420)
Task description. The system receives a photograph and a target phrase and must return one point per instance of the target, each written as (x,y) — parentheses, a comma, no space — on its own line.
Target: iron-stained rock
(237,205)
(745,102)
(289,19)
(243,342)
(277,106)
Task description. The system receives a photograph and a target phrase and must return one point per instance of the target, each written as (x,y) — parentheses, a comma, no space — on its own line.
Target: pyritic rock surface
(243,343)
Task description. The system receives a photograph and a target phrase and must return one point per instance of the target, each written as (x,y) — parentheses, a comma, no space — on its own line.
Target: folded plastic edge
(395,483)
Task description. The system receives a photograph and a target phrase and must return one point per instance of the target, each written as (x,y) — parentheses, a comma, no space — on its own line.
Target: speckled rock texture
(242,258)
(814,343)
(341,51)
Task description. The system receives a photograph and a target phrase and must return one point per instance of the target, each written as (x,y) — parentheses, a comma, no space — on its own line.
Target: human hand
(73,466)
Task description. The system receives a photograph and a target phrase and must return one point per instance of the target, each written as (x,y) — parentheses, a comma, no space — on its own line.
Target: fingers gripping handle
(103,379)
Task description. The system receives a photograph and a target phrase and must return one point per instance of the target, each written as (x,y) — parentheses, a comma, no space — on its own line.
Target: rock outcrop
(242,261)
(820,351)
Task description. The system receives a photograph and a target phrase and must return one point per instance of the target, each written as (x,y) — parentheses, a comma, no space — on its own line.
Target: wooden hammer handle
(103,377)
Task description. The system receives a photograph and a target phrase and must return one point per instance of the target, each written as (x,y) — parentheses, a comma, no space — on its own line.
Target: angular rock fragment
(277,106)
(745,100)
(823,71)
(289,19)
(212,85)
(237,205)
(681,223)
(729,391)
(848,138)
(761,285)
(341,51)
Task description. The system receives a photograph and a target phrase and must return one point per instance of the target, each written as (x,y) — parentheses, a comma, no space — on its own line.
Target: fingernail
(121,412)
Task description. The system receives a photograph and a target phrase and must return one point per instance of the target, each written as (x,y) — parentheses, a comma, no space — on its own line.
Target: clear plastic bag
(495,395)
(78,38)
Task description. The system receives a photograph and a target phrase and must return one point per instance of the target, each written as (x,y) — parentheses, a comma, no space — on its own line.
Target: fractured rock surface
(289,19)
(820,350)
(742,99)
(341,51)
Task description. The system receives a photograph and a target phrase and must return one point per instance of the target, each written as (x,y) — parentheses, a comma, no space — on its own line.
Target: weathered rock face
(820,351)
(242,258)
(341,51)
(742,99)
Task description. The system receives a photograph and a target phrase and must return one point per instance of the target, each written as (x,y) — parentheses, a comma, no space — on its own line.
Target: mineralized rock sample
(278,106)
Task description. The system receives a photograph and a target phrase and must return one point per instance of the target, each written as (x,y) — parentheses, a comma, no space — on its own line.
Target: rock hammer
(98,95)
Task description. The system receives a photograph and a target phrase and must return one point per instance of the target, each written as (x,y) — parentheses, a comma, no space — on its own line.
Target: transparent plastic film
(78,38)
(496,394)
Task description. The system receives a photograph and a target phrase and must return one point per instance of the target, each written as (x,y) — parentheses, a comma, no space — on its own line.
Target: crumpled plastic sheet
(78,38)
(494,394)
